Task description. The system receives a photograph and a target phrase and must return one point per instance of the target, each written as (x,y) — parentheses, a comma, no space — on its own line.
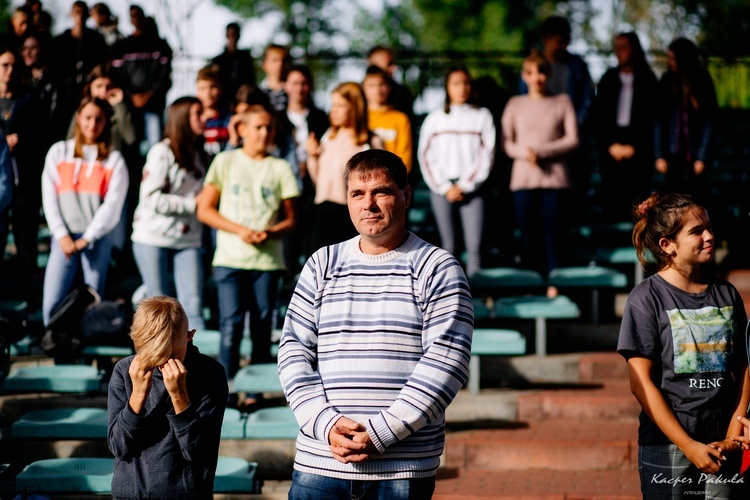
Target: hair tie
(643,208)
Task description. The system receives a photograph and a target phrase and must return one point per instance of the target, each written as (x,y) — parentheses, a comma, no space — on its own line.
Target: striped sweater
(384,340)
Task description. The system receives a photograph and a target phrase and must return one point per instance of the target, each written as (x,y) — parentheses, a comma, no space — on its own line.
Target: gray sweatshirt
(159,454)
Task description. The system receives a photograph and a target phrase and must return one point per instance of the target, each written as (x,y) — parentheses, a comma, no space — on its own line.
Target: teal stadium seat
(491,279)
(492,342)
(263,377)
(237,475)
(53,378)
(208,342)
(233,426)
(62,423)
(539,309)
(67,475)
(594,277)
(272,423)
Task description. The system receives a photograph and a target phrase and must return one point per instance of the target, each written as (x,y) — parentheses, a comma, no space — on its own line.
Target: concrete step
(609,401)
(570,445)
(601,367)
(538,485)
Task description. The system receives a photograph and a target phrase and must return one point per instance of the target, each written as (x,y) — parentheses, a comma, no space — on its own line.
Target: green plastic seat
(53,378)
(62,423)
(14,309)
(492,342)
(272,423)
(505,277)
(481,311)
(587,276)
(208,342)
(236,475)
(22,347)
(262,377)
(560,307)
(67,475)
(109,351)
(233,426)
(593,277)
(539,309)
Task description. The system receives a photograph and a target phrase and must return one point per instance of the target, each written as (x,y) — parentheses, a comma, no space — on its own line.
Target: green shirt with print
(251,195)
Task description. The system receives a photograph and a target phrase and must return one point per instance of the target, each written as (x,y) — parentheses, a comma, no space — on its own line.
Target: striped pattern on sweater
(384,340)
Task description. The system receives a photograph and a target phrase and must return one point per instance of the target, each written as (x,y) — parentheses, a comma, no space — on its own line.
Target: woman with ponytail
(683,336)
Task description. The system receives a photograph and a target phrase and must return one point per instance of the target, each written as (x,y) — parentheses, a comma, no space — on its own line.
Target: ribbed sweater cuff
(381,435)
(324,424)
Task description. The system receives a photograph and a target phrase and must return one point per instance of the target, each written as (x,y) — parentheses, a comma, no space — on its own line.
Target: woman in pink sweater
(347,136)
(539,132)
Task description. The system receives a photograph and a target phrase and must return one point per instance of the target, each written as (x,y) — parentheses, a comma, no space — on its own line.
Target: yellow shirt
(394,129)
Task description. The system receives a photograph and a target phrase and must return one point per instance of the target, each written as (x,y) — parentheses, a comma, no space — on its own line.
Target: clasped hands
(708,457)
(350,442)
(253,237)
(70,246)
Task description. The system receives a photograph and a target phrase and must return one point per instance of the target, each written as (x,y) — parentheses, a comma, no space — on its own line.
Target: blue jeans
(158,265)
(240,291)
(307,486)
(61,272)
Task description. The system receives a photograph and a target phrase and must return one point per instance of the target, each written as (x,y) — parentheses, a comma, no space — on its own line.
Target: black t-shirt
(696,341)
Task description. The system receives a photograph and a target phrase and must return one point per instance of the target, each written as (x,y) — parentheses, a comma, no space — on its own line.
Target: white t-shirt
(299,120)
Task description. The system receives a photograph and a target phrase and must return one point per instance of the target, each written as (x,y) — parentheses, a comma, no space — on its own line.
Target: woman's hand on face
(115,97)
(233,129)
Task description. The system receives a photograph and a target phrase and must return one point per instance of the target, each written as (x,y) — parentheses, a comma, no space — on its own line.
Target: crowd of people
(246,180)
(220,187)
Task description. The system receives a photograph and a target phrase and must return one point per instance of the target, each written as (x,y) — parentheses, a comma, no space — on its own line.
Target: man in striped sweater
(375,346)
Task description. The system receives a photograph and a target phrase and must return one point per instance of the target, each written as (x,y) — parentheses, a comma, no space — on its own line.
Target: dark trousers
(539,216)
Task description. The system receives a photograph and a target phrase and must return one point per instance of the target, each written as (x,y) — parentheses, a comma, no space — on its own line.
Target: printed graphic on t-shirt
(703,338)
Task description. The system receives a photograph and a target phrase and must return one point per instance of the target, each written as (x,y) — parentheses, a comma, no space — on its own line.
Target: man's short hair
(234,26)
(278,48)
(209,73)
(373,70)
(377,160)
(556,26)
(157,322)
(380,48)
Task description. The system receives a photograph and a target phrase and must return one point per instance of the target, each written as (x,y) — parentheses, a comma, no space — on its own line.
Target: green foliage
(308,25)
(4,14)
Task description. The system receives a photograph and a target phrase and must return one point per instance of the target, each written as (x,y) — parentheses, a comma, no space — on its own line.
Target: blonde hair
(157,323)
(353,94)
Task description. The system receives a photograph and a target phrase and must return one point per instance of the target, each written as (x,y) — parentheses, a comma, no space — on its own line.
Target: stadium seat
(62,423)
(262,377)
(53,378)
(594,277)
(67,475)
(236,475)
(492,342)
(272,423)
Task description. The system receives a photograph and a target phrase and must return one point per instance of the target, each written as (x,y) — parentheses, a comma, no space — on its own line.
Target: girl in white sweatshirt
(84,185)
(456,151)
(166,232)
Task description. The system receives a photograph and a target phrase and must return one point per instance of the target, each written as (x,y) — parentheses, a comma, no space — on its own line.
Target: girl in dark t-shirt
(683,335)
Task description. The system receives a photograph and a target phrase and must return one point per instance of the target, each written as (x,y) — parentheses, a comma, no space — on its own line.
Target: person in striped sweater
(375,346)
